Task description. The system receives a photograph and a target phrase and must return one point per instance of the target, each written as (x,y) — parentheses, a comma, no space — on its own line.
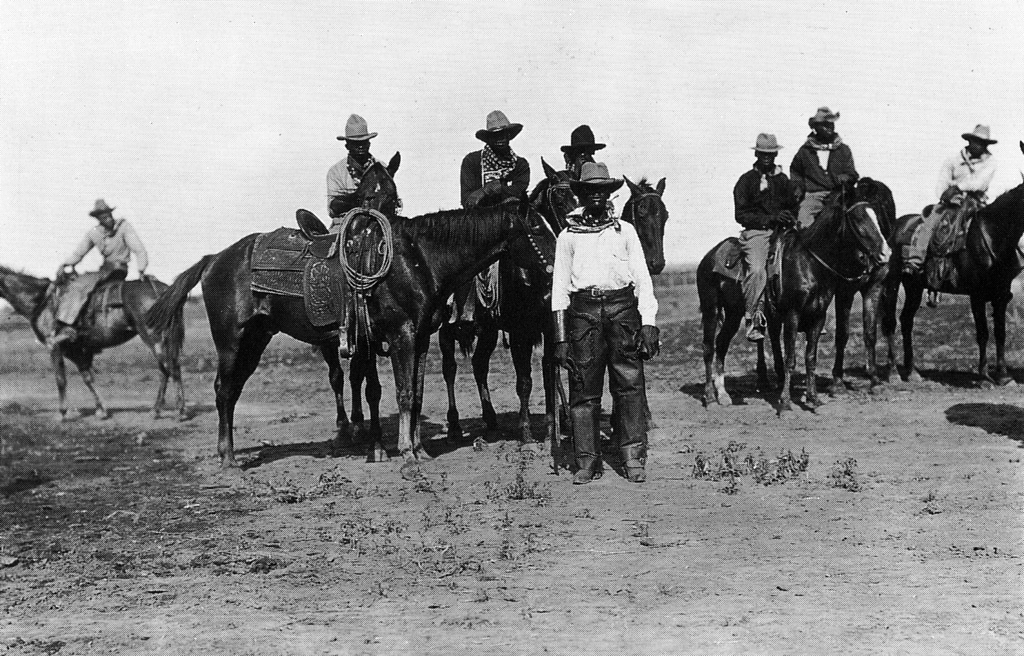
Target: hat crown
(594,172)
(582,136)
(824,115)
(980,132)
(356,128)
(766,143)
(497,120)
(100,208)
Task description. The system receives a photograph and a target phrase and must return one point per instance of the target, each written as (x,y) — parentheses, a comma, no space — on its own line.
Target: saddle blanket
(729,259)
(287,263)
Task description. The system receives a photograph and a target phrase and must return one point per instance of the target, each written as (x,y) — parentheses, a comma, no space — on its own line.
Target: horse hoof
(410,471)
(1007,382)
(914,377)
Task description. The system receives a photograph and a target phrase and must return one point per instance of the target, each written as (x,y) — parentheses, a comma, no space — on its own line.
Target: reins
(860,247)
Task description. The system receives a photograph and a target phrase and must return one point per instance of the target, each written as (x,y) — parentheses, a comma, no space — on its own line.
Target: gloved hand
(474,198)
(647,342)
(785,218)
(63,274)
(948,195)
(562,354)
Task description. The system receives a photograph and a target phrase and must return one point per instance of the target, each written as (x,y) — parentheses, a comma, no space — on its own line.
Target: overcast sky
(205,121)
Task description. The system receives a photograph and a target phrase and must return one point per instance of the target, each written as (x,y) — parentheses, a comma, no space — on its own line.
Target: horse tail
(169,307)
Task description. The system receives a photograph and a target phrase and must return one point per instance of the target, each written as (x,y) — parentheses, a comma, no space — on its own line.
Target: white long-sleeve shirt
(966,173)
(605,260)
(116,247)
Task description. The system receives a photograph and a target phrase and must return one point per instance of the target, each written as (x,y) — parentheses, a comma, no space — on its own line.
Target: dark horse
(842,244)
(243,322)
(985,269)
(431,254)
(870,287)
(103,328)
(524,310)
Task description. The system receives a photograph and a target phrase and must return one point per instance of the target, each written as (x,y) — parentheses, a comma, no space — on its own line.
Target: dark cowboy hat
(356,130)
(498,123)
(101,208)
(980,134)
(582,138)
(823,115)
(594,177)
(766,143)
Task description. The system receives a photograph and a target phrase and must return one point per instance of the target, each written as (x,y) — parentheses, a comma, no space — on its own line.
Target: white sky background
(205,121)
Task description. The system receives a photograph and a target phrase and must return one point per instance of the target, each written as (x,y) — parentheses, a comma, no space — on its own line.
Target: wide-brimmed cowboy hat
(101,208)
(497,124)
(356,130)
(823,115)
(980,134)
(594,177)
(766,143)
(582,138)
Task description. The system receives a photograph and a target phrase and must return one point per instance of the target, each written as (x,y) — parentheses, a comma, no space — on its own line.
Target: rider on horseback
(116,240)
(581,149)
(966,174)
(343,178)
(822,164)
(765,199)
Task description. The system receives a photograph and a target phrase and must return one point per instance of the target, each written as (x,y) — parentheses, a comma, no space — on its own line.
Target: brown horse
(879,198)
(985,269)
(103,327)
(843,244)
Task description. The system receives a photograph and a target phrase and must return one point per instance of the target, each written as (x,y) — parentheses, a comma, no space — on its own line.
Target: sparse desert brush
(731,465)
(844,475)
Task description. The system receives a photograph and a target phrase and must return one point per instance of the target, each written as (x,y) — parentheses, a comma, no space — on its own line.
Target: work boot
(634,458)
(587,474)
(63,333)
(755,327)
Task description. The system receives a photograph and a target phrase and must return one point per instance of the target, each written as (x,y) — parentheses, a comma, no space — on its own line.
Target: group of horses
(854,246)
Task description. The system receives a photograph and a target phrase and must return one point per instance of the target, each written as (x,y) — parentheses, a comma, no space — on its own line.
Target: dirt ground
(882,523)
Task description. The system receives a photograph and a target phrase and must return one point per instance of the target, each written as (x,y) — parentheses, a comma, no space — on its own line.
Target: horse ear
(633,189)
(549,171)
(661,187)
(1022,146)
(395,162)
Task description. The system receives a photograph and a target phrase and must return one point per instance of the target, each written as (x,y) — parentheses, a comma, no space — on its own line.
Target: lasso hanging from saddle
(334,273)
(949,237)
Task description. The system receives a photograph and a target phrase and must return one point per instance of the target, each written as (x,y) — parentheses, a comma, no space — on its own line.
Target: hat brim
(98,213)
(969,136)
(815,120)
(512,129)
(366,137)
(766,150)
(594,146)
(609,185)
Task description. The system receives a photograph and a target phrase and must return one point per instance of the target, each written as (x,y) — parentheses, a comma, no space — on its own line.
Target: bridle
(549,199)
(524,222)
(861,245)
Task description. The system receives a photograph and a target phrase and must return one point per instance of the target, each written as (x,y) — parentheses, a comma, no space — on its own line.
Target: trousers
(601,328)
(73,295)
(755,245)
(810,206)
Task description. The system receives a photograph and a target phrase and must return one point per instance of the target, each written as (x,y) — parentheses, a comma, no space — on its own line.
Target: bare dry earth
(903,535)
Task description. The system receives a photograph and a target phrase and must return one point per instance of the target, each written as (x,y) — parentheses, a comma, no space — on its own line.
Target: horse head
(536,251)
(553,197)
(377,189)
(847,240)
(879,196)
(646,210)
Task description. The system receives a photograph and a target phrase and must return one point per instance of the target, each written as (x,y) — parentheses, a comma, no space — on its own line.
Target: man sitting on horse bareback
(491,176)
(765,199)
(962,188)
(344,177)
(822,165)
(116,240)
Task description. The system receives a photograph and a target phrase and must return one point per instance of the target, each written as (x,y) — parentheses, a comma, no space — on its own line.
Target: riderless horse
(104,324)
(842,244)
(984,270)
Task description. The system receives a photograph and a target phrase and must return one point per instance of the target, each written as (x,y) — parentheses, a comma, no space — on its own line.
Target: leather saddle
(729,261)
(302,263)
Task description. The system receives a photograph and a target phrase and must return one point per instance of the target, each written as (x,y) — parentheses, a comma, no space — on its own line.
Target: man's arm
(846,172)
(748,213)
(80,251)
(797,173)
(470,182)
(982,178)
(131,239)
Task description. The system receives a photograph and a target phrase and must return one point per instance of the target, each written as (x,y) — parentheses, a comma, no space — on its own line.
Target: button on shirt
(966,173)
(604,260)
(116,246)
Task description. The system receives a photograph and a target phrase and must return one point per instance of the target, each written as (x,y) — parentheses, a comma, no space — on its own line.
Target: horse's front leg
(789,331)
(887,308)
(449,369)
(911,303)
(978,305)
(999,333)
(872,300)
(343,430)
(87,378)
(417,401)
(844,302)
(811,362)
(61,378)
(486,342)
(522,354)
(403,363)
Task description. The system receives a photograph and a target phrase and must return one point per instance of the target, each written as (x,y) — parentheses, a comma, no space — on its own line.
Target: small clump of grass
(844,475)
(731,465)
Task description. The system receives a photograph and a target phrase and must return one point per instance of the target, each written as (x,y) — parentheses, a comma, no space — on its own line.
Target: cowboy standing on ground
(966,174)
(822,164)
(604,312)
(765,199)
(116,240)
(343,178)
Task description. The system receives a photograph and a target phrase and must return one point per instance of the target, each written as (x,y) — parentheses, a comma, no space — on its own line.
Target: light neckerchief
(581,222)
(764,176)
(493,167)
(817,145)
(357,171)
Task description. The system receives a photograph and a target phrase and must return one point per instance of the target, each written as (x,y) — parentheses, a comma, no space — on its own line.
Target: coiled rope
(357,280)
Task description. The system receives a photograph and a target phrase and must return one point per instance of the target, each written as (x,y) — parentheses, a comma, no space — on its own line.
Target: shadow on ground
(996,418)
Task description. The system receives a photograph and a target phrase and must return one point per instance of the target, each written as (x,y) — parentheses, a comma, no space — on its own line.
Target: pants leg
(627,382)
(588,350)
(754,244)
(810,206)
(917,249)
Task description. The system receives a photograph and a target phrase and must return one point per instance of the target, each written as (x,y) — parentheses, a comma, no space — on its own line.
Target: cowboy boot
(634,458)
(585,443)
(756,327)
(62,333)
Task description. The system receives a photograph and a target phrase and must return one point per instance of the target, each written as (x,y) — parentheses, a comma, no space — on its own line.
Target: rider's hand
(474,198)
(785,218)
(493,187)
(648,342)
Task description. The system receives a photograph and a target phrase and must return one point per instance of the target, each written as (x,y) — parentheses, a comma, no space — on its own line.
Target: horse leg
(911,303)
(237,360)
(449,368)
(343,430)
(486,342)
(417,401)
(709,324)
(403,363)
(60,376)
(811,363)
(844,302)
(84,364)
(547,366)
(368,363)
(522,354)
(869,316)
(887,302)
(978,305)
(999,333)
(789,331)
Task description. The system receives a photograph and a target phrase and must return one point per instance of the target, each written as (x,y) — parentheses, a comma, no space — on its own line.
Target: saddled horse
(879,198)
(984,270)
(104,325)
(842,243)
(243,322)
(524,310)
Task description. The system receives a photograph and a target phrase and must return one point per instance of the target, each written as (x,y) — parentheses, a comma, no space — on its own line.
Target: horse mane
(452,227)
(541,187)
(1005,203)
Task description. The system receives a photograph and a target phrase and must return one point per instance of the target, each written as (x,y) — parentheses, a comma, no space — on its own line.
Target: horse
(103,328)
(243,322)
(879,197)
(431,255)
(842,244)
(984,271)
(524,310)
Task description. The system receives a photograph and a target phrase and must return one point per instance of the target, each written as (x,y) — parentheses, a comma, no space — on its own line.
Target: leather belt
(594,292)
